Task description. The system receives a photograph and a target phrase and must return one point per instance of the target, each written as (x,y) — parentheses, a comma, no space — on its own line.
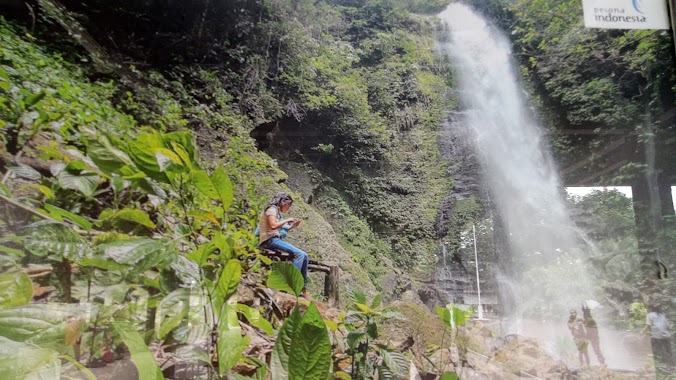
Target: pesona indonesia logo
(626,14)
(638,4)
(619,14)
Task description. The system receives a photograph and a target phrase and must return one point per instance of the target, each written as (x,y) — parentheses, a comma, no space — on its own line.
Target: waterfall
(516,164)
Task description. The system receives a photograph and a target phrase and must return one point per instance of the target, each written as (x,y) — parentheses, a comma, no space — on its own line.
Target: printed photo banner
(626,14)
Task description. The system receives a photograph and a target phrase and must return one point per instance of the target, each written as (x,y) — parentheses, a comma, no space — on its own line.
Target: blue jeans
(300,258)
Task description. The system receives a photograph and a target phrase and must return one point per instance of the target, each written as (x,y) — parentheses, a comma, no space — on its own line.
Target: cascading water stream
(516,165)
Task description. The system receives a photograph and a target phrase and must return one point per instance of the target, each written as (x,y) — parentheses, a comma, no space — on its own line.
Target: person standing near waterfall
(576,327)
(592,331)
(660,337)
(271,223)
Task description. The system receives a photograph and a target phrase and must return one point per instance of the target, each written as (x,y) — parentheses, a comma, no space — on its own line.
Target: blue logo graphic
(637,5)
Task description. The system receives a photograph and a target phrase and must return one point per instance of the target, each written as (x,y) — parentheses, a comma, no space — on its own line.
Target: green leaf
(364,308)
(279,364)
(395,361)
(140,354)
(454,315)
(460,314)
(101,149)
(139,255)
(231,343)
(445,315)
(229,279)
(85,182)
(46,191)
(16,289)
(354,338)
(449,376)
(377,301)
(58,213)
(27,361)
(53,325)
(255,319)
(134,216)
(33,99)
(216,186)
(182,153)
(286,277)
(55,240)
(357,296)
(168,160)
(142,153)
(372,330)
(186,140)
(171,311)
(311,349)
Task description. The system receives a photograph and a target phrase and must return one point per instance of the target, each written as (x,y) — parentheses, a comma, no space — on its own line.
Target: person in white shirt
(660,337)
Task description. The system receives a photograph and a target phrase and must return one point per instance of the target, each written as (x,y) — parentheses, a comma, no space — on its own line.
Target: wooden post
(331,286)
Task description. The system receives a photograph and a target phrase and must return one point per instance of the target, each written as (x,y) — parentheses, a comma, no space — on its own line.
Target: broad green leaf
(204,216)
(51,325)
(132,215)
(449,376)
(364,308)
(229,279)
(454,315)
(224,246)
(182,153)
(171,311)
(286,277)
(187,271)
(216,186)
(33,99)
(231,343)
(357,296)
(279,364)
(395,361)
(55,240)
(354,338)
(16,289)
(445,315)
(310,356)
(332,325)
(138,255)
(27,361)
(200,255)
(168,160)
(255,318)
(372,330)
(186,140)
(377,301)
(46,191)
(86,182)
(58,213)
(142,153)
(101,149)
(460,314)
(140,354)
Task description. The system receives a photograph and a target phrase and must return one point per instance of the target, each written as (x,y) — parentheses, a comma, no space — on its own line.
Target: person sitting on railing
(273,228)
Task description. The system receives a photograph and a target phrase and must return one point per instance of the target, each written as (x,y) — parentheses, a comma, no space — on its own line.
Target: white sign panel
(626,14)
